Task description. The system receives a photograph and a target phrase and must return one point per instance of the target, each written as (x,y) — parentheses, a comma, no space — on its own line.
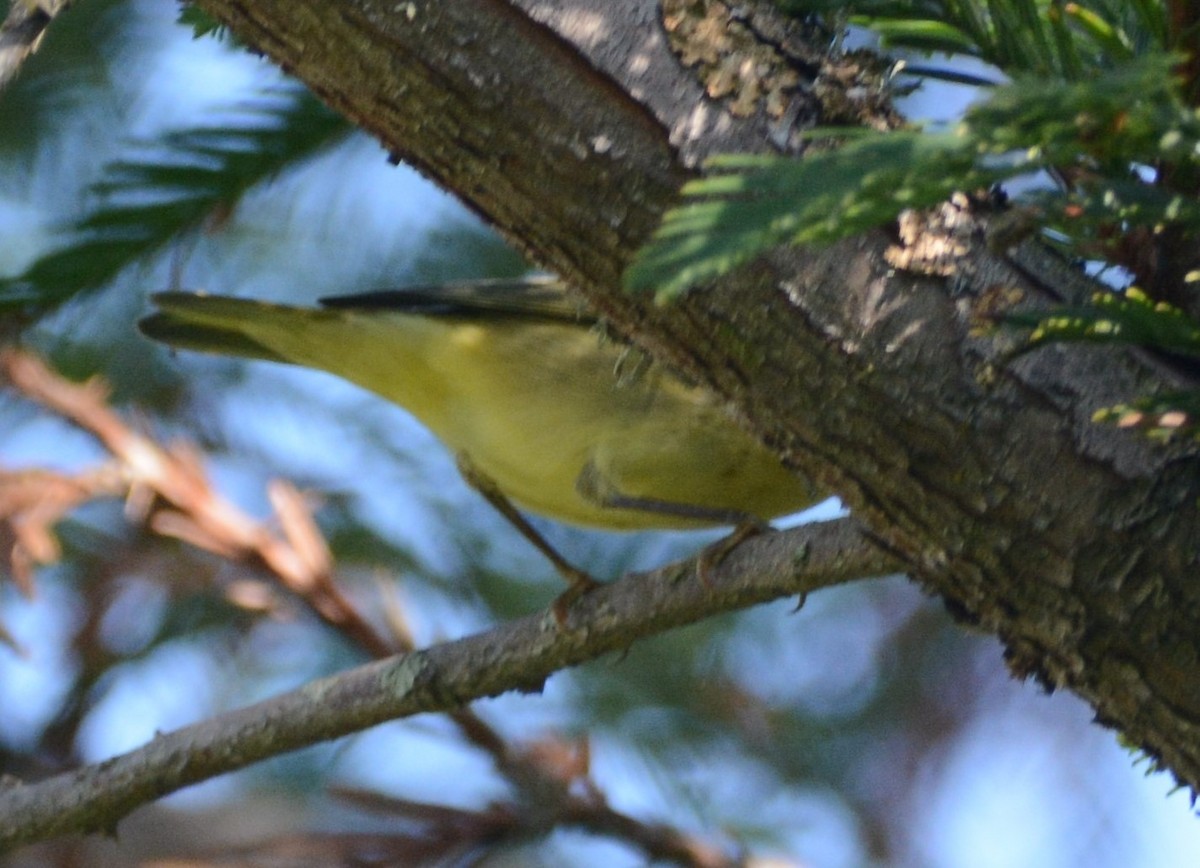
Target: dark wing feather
(537,298)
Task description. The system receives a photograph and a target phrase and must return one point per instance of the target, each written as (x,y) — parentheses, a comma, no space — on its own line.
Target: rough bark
(570,124)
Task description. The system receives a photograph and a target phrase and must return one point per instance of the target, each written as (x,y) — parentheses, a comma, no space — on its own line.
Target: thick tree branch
(519,655)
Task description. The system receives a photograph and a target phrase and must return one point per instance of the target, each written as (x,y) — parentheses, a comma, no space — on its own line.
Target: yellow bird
(521,383)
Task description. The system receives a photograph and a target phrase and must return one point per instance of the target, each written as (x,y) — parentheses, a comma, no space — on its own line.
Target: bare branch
(33,501)
(518,655)
(169,488)
(171,484)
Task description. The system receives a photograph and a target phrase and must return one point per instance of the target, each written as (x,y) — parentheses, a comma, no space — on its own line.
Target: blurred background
(864,729)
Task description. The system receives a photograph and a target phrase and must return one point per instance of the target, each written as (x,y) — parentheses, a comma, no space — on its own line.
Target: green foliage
(749,203)
(1092,96)
(60,80)
(165,187)
(202,23)
(1129,318)
(1095,101)
(1092,131)
(1172,414)
(702,716)
(1042,37)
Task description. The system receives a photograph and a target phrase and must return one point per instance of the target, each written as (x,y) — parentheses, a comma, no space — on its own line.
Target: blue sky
(1030,782)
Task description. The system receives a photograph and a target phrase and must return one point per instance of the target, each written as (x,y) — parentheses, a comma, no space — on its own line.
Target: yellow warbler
(515,377)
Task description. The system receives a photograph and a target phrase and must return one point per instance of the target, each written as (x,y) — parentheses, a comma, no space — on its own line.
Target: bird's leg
(594,486)
(579,581)
(715,553)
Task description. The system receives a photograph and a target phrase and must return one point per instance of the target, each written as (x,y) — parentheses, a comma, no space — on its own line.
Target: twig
(191,510)
(33,501)
(167,485)
(518,655)
(146,472)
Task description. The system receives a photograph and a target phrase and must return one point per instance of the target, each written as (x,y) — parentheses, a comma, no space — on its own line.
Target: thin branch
(21,32)
(442,831)
(32,502)
(168,487)
(518,655)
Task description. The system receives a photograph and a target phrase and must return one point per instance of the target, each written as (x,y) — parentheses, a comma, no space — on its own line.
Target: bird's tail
(216,324)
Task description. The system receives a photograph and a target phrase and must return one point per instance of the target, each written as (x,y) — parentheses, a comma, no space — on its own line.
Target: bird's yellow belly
(645,439)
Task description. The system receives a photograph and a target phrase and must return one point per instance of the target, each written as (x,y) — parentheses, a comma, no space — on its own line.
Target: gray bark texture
(570,126)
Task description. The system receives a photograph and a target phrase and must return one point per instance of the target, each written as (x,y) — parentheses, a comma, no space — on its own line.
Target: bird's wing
(539,298)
